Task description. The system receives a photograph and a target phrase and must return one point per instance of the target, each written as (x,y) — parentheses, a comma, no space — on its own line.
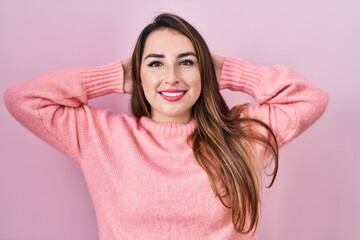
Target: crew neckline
(168,128)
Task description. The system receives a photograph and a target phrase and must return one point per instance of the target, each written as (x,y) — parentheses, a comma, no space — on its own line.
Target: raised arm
(54,105)
(286,100)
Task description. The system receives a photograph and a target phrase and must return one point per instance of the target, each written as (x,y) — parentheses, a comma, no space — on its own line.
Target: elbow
(322,101)
(13,97)
(10,96)
(314,109)
(308,112)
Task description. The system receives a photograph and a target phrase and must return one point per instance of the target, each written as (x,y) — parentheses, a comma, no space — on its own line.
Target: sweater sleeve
(54,105)
(285,99)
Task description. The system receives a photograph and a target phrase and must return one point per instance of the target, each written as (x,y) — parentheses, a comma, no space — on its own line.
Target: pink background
(317,194)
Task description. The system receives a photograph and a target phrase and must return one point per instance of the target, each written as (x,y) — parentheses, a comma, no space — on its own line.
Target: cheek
(148,78)
(142,76)
(144,80)
(148,84)
(197,85)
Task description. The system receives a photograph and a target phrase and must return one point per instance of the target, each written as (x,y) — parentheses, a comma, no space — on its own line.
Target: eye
(154,64)
(187,63)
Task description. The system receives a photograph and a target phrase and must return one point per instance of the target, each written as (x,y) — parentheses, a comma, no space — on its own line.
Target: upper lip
(173,90)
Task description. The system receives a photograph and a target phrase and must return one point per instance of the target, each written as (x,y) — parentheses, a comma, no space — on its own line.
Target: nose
(171,76)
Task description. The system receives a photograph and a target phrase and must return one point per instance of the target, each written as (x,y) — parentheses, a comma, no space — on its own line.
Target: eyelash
(158,63)
(153,63)
(188,62)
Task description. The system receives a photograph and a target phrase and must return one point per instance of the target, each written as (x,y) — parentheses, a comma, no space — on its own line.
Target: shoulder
(108,121)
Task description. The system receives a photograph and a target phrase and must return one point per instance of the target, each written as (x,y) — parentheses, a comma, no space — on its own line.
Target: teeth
(172,94)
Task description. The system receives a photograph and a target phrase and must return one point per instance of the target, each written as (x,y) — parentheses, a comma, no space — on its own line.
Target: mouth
(172,95)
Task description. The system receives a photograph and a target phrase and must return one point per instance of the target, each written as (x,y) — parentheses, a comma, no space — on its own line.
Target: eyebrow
(181,55)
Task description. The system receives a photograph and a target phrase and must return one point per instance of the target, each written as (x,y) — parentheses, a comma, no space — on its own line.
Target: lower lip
(173,99)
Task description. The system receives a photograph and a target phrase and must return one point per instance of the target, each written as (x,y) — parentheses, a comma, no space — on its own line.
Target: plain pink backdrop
(317,194)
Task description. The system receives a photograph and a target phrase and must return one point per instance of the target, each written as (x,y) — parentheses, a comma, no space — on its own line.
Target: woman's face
(170,76)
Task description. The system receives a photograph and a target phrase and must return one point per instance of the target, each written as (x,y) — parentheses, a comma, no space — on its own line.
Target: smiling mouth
(173,95)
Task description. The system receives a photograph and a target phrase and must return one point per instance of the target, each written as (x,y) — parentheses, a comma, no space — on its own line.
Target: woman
(183,166)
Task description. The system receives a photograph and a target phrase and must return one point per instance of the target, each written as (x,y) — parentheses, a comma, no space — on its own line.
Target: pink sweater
(141,174)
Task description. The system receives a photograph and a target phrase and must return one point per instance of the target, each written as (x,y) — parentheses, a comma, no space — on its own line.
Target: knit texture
(142,174)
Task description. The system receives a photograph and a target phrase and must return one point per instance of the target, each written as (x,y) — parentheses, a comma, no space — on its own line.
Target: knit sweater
(142,175)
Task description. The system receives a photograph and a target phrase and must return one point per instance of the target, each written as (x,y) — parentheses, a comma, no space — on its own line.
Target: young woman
(183,166)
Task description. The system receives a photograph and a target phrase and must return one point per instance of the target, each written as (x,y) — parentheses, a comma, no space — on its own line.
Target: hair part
(226,142)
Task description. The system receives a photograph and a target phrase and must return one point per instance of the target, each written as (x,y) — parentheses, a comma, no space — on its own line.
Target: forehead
(167,41)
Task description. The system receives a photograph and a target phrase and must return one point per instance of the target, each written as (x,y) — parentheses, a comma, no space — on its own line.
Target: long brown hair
(226,142)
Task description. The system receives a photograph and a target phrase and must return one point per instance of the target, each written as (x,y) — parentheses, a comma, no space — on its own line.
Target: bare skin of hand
(218,64)
(126,64)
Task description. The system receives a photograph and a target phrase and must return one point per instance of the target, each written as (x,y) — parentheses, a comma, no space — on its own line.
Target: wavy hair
(226,142)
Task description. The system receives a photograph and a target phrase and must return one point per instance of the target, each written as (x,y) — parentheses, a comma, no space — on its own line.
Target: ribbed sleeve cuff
(99,81)
(239,75)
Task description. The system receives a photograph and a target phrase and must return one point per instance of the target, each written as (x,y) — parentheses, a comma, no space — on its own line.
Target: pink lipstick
(172,95)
